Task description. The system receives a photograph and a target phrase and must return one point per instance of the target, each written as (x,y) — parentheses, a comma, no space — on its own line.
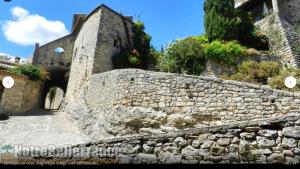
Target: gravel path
(41,129)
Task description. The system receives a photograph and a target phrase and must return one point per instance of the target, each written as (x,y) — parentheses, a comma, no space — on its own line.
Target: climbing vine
(139,55)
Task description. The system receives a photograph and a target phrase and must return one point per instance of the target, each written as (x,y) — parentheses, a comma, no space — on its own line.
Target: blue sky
(24,21)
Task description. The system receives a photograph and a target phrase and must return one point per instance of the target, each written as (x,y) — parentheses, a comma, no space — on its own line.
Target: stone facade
(278,26)
(88,50)
(272,141)
(102,36)
(22,97)
(124,102)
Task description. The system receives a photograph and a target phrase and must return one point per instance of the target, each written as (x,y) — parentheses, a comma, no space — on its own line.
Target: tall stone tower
(279,20)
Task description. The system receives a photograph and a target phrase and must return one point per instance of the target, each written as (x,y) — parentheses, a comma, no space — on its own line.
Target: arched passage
(54,98)
(58,79)
(1,91)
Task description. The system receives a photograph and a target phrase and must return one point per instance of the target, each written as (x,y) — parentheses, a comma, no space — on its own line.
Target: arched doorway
(1,91)
(54,98)
(58,79)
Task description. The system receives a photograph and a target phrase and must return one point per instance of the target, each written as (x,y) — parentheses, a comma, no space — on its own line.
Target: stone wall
(272,141)
(47,57)
(289,10)
(102,35)
(22,97)
(283,39)
(131,101)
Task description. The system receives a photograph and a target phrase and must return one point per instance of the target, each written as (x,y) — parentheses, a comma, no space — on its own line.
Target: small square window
(116,43)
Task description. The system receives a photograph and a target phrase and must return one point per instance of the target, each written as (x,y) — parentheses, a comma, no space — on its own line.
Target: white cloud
(27,29)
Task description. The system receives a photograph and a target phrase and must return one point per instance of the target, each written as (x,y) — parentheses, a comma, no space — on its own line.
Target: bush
(32,72)
(140,54)
(253,72)
(184,56)
(224,52)
(278,82)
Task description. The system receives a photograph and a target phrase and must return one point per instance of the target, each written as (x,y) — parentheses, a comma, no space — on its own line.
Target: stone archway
(1,91)
(58,79)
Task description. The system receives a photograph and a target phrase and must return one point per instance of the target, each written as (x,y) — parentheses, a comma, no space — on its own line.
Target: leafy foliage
(224,22)
(140,54)
(184,56)
(253,72)
(224,52)
(278,82)
(32,72)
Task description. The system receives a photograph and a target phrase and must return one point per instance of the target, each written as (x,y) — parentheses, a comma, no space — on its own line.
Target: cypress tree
(220,20)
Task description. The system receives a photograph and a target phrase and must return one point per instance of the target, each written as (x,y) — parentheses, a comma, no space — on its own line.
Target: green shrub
(32,72)
(224,52)
(140,54)
(184,56)
(258,73)
(278,82)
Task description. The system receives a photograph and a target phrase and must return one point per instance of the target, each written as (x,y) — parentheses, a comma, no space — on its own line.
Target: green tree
(184,56)
(31,71)
(221,22)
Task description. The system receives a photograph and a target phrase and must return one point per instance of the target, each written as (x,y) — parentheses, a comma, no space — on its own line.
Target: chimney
(17,60)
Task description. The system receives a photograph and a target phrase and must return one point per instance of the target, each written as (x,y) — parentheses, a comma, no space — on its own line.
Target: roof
(6,64)
(82,20)
(6,73)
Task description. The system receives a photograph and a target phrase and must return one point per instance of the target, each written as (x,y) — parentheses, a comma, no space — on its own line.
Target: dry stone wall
(22,97)
(272,141)
(283,39)
(132,101)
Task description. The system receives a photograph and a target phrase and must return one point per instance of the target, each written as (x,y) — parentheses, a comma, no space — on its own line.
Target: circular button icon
(8,82)
(290,82)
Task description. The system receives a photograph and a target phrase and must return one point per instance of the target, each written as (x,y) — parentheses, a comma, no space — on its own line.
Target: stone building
(89,49)
(279,21)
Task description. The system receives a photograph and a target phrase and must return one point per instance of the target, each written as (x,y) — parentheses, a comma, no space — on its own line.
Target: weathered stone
(232,157)
(189,151)
(148,149)
(289,143)
(235,140)
(296,151)
(297,122)
(261,151)
(293,132)
(247,136)
(169,158)
(202,138)
(252,129)
(180,142)
(196,143)
(288,153)
(204,152)
(264,142)
(217,151)
(212,138)
(189,161)
(276,158)
(146,159)
(291,161)
(224,142)
(214,159)
(268,133)
(233,148)
(207,144)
